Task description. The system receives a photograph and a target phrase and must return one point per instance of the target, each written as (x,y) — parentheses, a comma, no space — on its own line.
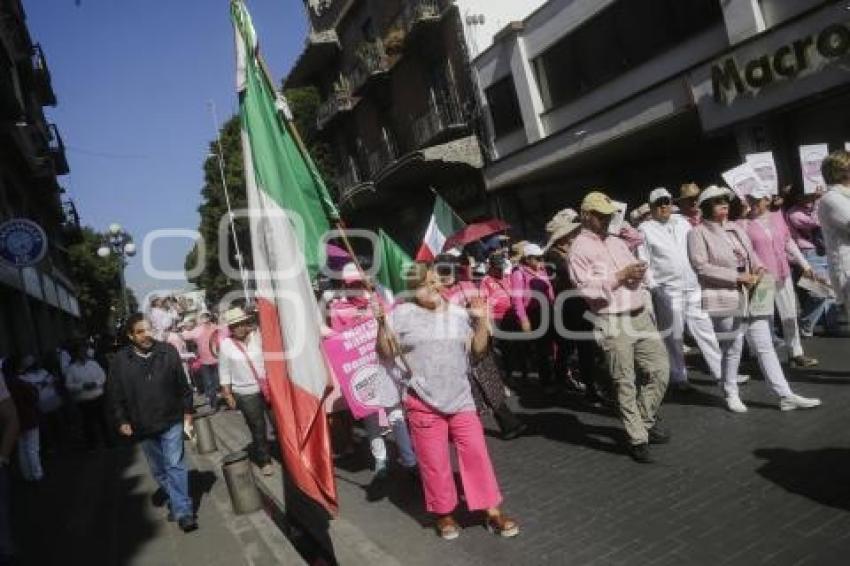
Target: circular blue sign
(22,242)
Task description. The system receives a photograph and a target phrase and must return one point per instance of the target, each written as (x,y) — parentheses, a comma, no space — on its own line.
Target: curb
(351,545)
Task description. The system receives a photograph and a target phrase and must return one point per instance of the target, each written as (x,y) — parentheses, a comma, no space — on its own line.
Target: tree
(304,103)
(98,283)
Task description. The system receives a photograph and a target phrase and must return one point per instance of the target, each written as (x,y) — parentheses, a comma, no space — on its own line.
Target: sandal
(447,528)
(502,525)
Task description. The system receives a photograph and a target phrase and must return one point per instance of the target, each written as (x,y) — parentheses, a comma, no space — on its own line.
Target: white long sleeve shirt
(834,214)
(665,250)
(85,380)
(234,369)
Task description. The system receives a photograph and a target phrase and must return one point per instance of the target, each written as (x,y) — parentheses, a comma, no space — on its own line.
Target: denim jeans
(253,408)
(167,460)
(209,377)
(813,308)
(395,416)
(5,519)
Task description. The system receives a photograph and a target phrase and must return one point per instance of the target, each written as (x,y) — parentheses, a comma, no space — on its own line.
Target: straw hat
(562,224)
(598,201)
(234,316)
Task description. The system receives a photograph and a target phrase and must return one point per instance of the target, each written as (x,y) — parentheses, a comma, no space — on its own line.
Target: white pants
(786,306)
(673,309)
(29,455)
(730,335)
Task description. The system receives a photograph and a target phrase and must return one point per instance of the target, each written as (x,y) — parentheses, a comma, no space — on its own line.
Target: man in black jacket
(150,400)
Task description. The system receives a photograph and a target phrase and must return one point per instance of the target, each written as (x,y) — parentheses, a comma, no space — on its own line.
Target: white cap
(659,193)
(532,250)
(713,192)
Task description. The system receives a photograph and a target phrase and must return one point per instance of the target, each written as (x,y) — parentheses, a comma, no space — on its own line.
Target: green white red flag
(290,211)
(444,222)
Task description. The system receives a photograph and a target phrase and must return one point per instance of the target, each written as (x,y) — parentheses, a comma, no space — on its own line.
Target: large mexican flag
(290,211)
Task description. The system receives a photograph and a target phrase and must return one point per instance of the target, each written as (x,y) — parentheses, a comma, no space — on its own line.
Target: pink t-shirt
(497,292)
(201,335)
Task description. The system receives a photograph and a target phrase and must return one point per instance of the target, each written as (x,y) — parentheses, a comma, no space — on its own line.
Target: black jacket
(150,394)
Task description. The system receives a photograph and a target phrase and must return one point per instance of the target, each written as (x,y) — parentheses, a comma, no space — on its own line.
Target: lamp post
(120,243)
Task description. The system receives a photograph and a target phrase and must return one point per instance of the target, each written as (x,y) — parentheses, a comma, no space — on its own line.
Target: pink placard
(352,357)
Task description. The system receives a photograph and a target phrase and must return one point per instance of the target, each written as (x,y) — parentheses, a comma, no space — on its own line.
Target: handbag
(262,382)
(761,298)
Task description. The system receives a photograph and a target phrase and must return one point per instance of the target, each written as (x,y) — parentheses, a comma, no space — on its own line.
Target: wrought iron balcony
(41,77)
(56,149)
(421,12)
(380,158)
(338,102)
(372,62)
(441,122)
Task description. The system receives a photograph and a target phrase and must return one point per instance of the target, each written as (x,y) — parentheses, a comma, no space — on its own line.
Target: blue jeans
(402,438)
(813,308)
(5,520)
(209,377)
(167,461)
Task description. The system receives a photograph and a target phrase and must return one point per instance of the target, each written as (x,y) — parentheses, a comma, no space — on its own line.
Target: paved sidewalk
(101,509)
(763,488)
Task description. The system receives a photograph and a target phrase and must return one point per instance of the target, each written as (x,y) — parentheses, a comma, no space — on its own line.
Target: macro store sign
(778,67)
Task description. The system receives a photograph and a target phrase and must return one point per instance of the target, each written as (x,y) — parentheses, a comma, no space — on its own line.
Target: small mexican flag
(393,263)
(444,223)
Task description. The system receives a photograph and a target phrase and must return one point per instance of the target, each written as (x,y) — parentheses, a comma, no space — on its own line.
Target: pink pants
(431,432)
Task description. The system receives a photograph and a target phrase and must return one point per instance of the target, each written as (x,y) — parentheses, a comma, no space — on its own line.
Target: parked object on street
(239,476)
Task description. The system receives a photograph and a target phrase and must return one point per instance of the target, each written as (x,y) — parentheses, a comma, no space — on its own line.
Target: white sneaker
(797,402)
(742,378)
(734,404)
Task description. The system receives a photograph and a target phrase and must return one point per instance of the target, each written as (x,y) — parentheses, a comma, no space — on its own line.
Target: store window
(504,107)
(624,36)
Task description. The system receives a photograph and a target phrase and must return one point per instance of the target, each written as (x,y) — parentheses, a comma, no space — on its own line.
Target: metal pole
(123,285)
(227,200)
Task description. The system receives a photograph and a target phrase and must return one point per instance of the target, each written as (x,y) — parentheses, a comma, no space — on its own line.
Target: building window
(504,107)
(621,37)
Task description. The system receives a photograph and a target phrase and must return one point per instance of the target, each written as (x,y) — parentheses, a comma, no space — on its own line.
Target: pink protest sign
(352,357)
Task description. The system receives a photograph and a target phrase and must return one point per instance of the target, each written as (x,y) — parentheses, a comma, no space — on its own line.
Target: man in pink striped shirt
(611,279)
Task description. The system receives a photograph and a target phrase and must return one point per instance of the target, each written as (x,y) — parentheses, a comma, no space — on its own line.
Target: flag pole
(337,222)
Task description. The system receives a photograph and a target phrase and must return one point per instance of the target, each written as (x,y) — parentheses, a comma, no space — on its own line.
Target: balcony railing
(442,120)
(380,158)
(338,102)
(371,61)
(56,149)
(41,76)
(420,11)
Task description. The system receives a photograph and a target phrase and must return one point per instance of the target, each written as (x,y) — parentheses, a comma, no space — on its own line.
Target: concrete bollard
(239,477)
(204,434)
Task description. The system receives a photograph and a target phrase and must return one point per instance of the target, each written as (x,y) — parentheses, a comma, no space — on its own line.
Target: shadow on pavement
(567,428)
(90,508)
(820,475)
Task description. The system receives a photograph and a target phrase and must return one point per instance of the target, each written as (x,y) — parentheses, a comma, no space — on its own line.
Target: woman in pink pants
(437,339)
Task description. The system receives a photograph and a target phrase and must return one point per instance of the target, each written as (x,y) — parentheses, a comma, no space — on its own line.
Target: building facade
(399,107)
(38,308)
(632,94)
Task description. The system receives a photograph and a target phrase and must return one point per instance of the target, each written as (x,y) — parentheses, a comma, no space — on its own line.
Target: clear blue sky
(133,78)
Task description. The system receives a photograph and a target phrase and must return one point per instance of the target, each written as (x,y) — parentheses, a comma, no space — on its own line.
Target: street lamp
(119,243)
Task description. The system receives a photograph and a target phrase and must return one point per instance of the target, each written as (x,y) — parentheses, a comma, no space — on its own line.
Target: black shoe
(515,432)
(640,453)
(377,488)
(187,524)
(658,435)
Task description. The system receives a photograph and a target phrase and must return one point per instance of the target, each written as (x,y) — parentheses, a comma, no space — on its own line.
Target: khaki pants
(629,339)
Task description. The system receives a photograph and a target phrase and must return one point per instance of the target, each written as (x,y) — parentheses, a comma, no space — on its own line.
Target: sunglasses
(663,201)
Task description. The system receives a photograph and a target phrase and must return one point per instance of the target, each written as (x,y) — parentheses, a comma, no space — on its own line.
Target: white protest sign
(618,219)
(765,167)
(811,157)
(742,179)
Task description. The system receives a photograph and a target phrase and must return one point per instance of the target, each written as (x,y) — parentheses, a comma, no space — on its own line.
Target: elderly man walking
(834,214)
(150,400)
(675,289)
(611,279)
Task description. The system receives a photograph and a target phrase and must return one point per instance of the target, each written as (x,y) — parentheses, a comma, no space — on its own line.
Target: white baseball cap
(532,250)
(714,191)
(659,193)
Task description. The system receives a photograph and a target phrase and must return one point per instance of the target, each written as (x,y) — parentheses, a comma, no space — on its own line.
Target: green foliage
(304,104)
(98,282)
